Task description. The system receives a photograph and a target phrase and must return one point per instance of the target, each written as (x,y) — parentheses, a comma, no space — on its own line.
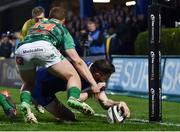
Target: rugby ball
(114,115)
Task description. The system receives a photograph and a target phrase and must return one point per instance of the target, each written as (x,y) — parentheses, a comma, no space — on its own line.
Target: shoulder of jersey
(30,21)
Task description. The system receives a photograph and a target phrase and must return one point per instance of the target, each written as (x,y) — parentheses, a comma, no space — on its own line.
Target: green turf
(139,116)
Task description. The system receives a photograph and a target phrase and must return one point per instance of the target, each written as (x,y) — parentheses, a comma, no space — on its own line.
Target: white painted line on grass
(144,121)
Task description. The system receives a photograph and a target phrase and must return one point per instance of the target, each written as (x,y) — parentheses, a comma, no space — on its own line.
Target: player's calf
(7,104)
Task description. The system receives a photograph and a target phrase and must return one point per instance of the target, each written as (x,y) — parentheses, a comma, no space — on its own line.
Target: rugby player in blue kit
(47,85)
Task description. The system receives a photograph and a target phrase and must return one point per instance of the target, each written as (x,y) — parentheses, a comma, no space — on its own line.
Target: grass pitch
(138,120)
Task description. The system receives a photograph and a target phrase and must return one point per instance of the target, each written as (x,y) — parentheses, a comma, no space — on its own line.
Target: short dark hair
(103,66)
(36,11)
(57,13)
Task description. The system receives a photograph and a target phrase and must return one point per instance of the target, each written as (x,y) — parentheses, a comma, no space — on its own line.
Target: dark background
(13,13)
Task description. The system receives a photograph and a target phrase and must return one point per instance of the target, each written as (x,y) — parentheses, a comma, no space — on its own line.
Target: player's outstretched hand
(122,105)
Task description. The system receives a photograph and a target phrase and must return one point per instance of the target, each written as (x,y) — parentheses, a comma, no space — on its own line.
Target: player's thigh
(27,75)
(63,69)
(28,78)
(25,68)
(27,72)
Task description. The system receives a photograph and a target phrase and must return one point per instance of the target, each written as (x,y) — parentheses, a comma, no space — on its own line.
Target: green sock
(4,103)
(26,97)
(74,92)
(10,102)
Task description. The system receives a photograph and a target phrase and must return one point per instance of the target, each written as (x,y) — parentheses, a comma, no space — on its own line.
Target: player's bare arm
(106,103)
(85,95)
(82,68)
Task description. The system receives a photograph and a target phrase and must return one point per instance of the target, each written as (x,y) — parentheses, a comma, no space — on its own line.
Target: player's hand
(122,105)
(97,88)
(101,85)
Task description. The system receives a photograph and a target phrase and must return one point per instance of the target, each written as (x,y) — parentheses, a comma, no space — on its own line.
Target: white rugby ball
(114,115)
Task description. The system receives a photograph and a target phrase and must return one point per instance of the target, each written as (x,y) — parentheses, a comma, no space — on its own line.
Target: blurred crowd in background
(108,32)
(114,30)
(8,42)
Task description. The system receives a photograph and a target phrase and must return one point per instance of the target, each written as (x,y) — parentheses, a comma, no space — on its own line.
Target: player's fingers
(103,84)
(127,111)
(124,107)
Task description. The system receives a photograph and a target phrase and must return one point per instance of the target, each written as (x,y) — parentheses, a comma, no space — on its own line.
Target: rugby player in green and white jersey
(41,48)
(38,14)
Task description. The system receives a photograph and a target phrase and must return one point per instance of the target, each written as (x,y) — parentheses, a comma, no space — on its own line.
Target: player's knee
(28,85)
(74,75)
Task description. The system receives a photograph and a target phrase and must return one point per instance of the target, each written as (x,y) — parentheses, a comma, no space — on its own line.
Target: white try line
(144,121)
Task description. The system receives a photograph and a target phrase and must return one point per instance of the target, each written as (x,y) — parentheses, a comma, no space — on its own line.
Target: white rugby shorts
(39,53)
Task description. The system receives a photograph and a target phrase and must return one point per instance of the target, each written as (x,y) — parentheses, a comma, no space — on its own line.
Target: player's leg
(7,106)
(27,58)
(50,102)
(61,68)
(27,98)
(65,70)
(59,111)
(27,73)
(26,101)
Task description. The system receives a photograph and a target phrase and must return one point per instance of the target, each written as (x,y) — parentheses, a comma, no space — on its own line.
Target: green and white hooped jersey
(52,31)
